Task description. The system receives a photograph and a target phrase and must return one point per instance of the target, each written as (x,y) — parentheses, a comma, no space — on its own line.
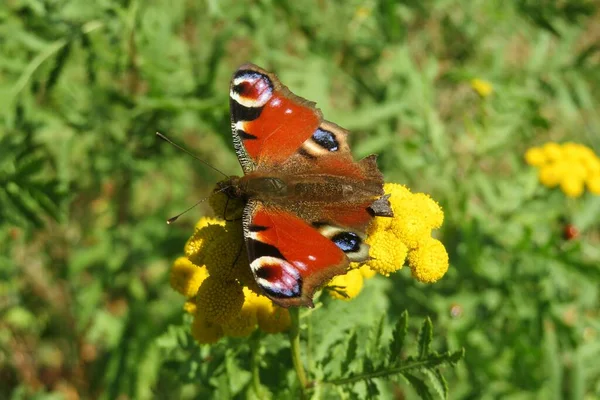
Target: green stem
(378,374)
(254,365)
(295,347)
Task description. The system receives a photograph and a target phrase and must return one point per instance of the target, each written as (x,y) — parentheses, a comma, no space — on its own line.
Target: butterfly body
(307,202)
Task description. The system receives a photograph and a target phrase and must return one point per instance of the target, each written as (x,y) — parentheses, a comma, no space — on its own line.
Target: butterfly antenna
(166,139)
(175,218)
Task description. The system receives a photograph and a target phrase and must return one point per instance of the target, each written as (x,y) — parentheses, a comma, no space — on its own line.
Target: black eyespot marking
(348,242)
(245,135)
(243,113)
(326,140)
(257,249)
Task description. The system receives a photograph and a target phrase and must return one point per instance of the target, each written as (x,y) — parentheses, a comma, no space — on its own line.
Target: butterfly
(307,201)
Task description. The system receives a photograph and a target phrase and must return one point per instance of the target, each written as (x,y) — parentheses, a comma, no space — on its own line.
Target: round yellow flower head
(347,286)
(415,215)
(225,207)
(482,87)
(245,322)
(190,306)
(535,157)
(552,151)
(206,231)
(570,165)
(572,186)
(428,262)
(186,277)
(387,252)
(220,300)
(272,318)
(593,183)
(367,272)
(550,175)
(592,165)
(205,331)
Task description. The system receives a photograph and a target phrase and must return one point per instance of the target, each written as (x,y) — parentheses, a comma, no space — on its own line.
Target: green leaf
(438,382)
(375,337)
(398,337)
(419,385)
(350,353)
(29,214)
(425,337)
(59,64)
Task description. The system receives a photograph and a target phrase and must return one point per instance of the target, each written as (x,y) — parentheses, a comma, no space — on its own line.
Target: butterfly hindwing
(291,258)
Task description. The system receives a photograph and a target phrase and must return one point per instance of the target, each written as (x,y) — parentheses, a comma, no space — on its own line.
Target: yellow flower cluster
(408,236)
(223,295)
(217,282)
(570,165)
(482,87)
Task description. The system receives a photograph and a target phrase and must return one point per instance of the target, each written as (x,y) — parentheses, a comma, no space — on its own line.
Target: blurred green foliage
(85,187)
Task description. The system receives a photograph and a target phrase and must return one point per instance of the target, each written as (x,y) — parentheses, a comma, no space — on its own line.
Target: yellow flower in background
(593,184)
(535,156)
(570,166)
(482,87)
(223,294)
(552,151)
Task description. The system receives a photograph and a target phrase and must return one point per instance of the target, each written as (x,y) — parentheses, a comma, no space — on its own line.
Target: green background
(86,310)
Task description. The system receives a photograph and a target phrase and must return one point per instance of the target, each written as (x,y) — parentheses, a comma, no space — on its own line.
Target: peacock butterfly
(307,202)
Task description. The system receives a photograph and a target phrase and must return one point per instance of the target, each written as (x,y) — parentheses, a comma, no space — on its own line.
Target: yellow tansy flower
(431,210)
(550,175)
(272,318)
(429,261)
(410,222)
(220,300)
(347,286)
(572,186)
(591,164)
(367,272)
(190,306)
(482,87)
(186,277)
(535,157)
(570,165)
(226,208)
(205,233)
(245,322)
(204,331)
(387,252)
(593,183)
(221,249)
(552,151)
